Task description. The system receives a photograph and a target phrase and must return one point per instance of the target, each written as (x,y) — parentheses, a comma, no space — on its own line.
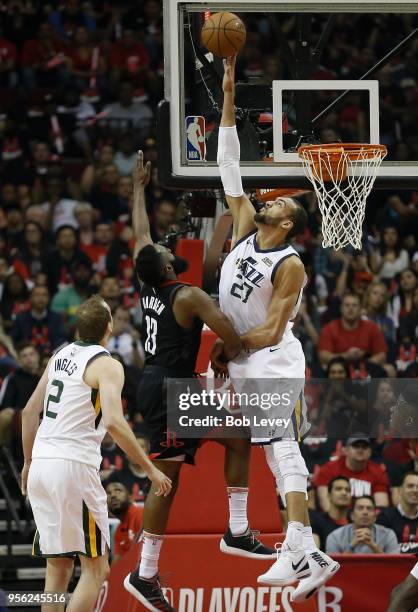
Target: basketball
(223,34)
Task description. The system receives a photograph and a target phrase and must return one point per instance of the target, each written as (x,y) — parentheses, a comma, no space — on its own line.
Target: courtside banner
(200,578)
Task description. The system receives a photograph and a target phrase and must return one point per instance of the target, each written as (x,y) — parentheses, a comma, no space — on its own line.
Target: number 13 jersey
(246,283)
(72,426)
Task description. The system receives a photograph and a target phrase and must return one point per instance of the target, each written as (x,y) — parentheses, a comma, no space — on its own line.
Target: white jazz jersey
(246,283)
(72,426)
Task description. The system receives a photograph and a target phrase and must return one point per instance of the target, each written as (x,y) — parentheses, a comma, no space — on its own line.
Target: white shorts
(284,367)
(414,571)
(69,506)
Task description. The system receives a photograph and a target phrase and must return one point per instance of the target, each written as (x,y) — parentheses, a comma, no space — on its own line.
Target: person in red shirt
(43,60)
(352,337)
(129,58)
(366,477)
(97,252)
(120,505)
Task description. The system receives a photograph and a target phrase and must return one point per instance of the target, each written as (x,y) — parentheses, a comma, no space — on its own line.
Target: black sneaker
(246,545)
(148,592)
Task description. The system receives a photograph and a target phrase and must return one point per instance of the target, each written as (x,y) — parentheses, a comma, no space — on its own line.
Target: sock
(238,522)
(150,554)
(294,535)
(308,541)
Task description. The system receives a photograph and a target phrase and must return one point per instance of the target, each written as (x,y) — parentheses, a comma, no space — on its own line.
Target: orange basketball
(223,34)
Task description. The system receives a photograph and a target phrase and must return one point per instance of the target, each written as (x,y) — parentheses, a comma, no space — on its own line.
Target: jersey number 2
(54,398)
(151,341)
(241,291)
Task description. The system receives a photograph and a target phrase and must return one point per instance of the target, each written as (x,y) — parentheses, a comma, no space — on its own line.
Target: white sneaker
(322,568)
(290,566)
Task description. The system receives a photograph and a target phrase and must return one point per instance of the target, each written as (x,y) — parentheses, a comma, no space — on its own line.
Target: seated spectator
(67,301)
(163,217)
(339,497)
(85,61)
(408,323)
(110,292)
(15,223)
(112,457)
(403,518)
(105,195)
(351,337)
(98,250)
(132,476)
(355,274)
(28,260)
(43,60)
(37,214)
(8,354)
(59,209)
(380,413)
(362,536)
(61,258)
(375,307)
(129,58)
(390,258)
(8,54)
(39,325)
(15,392)
(84,215)
(129,115)
(125,339)
(92,174)
(126,154)
(366,477)
(402,302)
(120,504)
(67,18)
(14,298)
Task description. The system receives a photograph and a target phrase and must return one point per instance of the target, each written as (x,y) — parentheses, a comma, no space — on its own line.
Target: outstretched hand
(228,83)
(141,174)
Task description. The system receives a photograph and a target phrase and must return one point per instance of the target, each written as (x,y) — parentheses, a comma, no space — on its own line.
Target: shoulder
(186,294)
(376,468)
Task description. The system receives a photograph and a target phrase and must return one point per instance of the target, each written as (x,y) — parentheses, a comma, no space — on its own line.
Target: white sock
(294,535)
(150,554)
(237,497)
(308,541)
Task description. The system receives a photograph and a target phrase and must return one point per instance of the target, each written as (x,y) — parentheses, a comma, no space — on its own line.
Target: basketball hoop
(342,176)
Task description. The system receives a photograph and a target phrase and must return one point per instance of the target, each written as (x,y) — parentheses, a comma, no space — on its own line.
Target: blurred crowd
(79,85)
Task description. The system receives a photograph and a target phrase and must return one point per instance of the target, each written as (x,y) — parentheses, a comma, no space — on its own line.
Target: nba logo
(195,138)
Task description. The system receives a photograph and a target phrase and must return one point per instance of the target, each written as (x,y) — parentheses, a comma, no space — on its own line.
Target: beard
(120,509)
(180,265)
(263,218)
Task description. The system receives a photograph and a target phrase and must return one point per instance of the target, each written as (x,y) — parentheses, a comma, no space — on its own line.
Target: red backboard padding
(192,250)
(208,338)
(201,502)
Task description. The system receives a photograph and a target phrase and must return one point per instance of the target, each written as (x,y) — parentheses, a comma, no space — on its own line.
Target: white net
(342,179)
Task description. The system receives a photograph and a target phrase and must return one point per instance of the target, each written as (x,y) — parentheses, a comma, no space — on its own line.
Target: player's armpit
(288,283)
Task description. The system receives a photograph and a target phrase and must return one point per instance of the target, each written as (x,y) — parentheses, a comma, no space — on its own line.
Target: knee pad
(292,466)
(274,468)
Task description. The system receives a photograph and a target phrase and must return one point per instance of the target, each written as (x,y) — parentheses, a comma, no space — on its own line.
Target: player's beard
(265,219)
(180,265)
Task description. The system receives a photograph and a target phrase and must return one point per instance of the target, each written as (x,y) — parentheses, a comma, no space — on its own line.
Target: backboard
(311,71)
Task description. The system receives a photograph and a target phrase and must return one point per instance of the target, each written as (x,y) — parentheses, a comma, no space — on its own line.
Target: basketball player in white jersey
(80,396)
(260,291)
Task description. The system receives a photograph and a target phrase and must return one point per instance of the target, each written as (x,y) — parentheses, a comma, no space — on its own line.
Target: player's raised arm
(108,373)
(140,224)
(228,159)
(192,302)
(288,283)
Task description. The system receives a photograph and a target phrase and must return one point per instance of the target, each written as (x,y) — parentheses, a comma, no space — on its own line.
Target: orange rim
(336,150)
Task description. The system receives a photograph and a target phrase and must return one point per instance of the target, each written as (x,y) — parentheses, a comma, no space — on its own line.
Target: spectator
(92,174)
(362,536)
(84,215)
(85,61)
(104,196)
(391,258)
(355,274)
(381,408)
(62,257)
(112,457)
(37,214)
(8,76)
(402,302)
(43,60)
(39,325)
(97,252)
(125,339)
(120,504)
(16,390)
(126,154)
(29,259)
(163,217)
(14,298)
(403,518)
(323,523)
(366,477)
(8,355)
(15,222)
(408,324)
(67,301)
(129,58)
(65,20)
(132,477)
(59,209)
(129,115)
(110,292)
(351,337)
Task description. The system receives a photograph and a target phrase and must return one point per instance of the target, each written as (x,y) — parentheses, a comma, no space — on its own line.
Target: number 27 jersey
(246,283)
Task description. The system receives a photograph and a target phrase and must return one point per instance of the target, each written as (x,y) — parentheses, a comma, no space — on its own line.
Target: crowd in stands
(79,85)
